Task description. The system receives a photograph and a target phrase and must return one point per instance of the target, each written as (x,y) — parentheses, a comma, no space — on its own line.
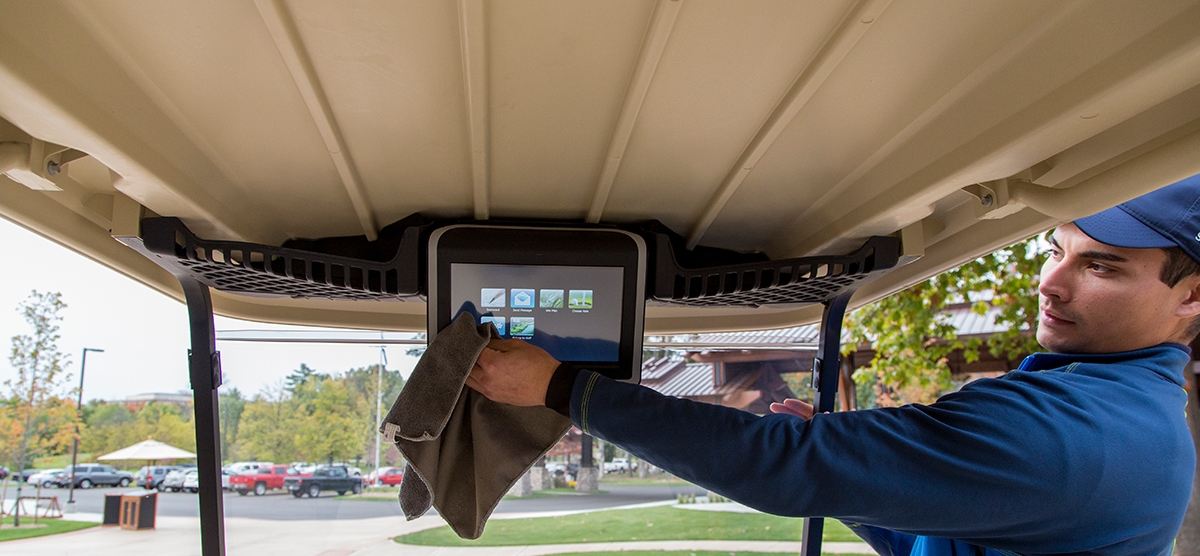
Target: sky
(144,334)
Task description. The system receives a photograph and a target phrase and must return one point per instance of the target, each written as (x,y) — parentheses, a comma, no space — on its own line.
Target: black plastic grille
(260,270)
(800,280)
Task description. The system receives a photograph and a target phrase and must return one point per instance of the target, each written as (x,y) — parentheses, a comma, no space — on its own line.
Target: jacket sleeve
(945,470)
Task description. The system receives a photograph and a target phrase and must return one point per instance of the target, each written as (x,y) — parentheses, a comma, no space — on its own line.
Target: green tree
(266,429)
(115,426)
(167,423)
(301,376)
(326,428)
(913,340)
(362,384)
(37,417)
(106,424)
(230,413)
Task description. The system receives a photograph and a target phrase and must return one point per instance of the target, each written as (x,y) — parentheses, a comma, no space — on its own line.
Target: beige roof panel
(788,128)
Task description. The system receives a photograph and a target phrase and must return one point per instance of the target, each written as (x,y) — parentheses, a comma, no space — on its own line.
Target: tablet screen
(573,312)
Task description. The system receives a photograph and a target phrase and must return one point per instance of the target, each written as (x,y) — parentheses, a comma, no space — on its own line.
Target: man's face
(1096,298)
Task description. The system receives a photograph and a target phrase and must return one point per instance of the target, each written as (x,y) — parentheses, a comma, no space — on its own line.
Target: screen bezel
(549,246)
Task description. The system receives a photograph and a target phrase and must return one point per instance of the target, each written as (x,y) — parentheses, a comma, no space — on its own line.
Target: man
(1082,450)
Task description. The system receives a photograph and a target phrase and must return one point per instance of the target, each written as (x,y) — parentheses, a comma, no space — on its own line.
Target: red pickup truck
(259,483)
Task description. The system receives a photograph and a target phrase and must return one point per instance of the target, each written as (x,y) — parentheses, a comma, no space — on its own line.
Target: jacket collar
(1168,360)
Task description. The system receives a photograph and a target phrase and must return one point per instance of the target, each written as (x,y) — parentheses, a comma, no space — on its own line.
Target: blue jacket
(1083,454)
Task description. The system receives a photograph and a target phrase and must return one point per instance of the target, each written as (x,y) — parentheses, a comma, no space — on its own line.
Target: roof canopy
(790,128)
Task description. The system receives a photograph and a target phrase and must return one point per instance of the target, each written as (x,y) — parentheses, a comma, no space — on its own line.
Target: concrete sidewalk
(180,536)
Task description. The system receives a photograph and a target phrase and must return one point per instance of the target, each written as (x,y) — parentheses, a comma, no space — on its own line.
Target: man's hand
(792,406)
(513,372)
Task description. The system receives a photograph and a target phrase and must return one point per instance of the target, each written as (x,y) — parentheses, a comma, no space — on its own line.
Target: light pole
(379,400)
(78,415)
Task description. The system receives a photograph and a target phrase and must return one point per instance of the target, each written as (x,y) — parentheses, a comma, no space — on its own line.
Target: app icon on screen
(522,298)
(522,326)
(498,321)
(491,297)
(580,299)
(551,299)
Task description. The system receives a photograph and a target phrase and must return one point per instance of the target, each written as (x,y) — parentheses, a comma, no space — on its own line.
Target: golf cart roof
(789,128)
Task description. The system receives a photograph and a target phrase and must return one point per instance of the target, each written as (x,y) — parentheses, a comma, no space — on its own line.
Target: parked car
(304,467)
(156,474)
(88,475)
(173,481)
(191,480)
(336,478)
(3,472)
(618,465)
(386,476)
(350,469)
(52,479)
(259,483)
(40,475)
(26,473)
(242,467)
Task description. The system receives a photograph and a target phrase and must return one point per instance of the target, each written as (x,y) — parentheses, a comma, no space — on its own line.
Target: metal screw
(53,168)
(987,200)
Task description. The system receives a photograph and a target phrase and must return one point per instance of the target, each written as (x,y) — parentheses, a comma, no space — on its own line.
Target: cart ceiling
(787,127)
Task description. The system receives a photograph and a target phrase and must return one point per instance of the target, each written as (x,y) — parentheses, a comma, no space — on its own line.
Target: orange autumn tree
(37,416)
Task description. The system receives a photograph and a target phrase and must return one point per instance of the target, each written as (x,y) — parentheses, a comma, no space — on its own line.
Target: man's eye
(1099,267)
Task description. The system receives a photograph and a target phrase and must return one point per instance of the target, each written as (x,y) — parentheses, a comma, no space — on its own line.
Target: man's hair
(1180,265)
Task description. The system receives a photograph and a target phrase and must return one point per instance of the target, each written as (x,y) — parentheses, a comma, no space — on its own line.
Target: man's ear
(1190,307)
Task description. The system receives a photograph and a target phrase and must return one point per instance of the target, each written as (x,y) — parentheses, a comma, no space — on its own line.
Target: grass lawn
(52,527)
(58,462)
(555,492)
(661,523)
(690,553)
(621,479)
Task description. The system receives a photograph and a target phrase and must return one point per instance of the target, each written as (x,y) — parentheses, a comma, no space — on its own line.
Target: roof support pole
(204,366)
(826,371)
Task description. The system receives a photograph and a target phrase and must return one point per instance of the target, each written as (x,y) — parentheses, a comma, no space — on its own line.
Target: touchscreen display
(573,312)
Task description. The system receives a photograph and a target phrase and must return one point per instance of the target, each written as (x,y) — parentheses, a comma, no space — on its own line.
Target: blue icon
(498,321)
(522,298)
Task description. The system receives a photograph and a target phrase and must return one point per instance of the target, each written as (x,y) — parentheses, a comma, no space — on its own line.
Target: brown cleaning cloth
(465,449)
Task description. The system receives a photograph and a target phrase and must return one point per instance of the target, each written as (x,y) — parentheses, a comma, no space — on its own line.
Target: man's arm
(956,469)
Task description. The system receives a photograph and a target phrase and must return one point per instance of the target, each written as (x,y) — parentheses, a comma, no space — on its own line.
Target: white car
(42,476)
(191,481)
(618,465)
(242,467)
(174,480)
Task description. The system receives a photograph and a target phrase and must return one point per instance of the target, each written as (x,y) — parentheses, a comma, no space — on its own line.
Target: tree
(37,416)
(266,430)
(301,376)
(910,335)
(325,424)
(115,426)
(230,411)
(362,383)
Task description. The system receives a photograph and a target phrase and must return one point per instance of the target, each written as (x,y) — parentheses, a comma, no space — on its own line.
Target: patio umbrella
(148,450)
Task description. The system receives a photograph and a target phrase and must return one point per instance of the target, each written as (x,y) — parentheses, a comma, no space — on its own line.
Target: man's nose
(1055,280)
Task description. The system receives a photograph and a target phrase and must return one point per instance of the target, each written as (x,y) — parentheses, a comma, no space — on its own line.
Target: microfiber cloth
(464,451)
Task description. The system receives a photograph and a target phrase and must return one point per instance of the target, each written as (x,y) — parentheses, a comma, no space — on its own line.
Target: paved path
(179,536)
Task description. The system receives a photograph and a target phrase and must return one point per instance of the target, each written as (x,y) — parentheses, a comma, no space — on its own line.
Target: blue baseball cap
(1166,217)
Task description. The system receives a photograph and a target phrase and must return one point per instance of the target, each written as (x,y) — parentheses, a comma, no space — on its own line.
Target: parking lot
(279,505)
